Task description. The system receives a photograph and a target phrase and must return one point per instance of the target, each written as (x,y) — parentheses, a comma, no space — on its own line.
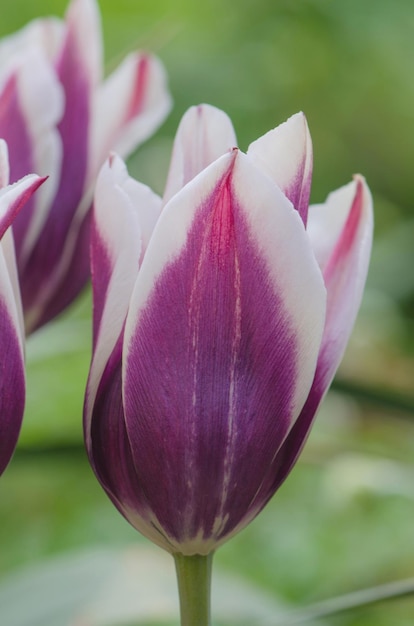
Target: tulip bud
(221,313)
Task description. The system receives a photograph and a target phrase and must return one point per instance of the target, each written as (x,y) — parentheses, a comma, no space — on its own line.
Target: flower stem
(194,584)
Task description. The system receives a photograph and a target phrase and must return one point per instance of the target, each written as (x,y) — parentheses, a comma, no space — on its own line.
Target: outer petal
(116,246)
(343,245)
(110,454)
(285,154)
(31,105)
(78,69)
(115,253)
(220,349)
(129,106)
(204,134)
(12,380)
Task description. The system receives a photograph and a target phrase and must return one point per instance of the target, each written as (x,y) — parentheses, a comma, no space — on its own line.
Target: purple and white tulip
(221,313)
(12,377)
(61,119)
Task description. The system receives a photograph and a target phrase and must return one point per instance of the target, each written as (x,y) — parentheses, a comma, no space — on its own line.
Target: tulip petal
(285,154)
(110,453)
(4,164)
(14,197)
(220,348)
(40,34)
(119,232)
(78,70)
(204,134)
(31,104)
(12,382)
(341,233)
(9,253)
(129,107)
(124,217)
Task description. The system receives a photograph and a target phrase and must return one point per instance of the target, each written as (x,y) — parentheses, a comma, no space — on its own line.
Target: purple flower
(12,373)
(60,119)
(220,316)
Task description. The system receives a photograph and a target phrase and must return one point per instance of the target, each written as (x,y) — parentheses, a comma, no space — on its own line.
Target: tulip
(12,382)
(61,119)
(221,313)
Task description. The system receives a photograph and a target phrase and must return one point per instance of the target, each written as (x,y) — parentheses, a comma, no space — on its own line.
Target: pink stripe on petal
(285,154)
(216,367)
(142,76)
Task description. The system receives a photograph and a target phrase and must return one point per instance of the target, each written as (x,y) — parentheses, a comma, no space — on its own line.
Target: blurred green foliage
(344,518)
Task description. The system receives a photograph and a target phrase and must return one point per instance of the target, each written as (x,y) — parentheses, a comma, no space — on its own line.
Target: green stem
(194,585)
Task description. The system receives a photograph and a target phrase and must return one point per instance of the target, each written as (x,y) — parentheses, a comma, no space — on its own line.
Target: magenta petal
(12,380)
(110,453)
(345,271)
(211,372)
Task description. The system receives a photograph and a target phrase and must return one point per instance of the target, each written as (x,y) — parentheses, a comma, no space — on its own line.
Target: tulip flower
(221,313)
(60,119)
(12,381)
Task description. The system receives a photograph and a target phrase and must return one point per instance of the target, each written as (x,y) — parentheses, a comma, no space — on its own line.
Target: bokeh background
(344,518)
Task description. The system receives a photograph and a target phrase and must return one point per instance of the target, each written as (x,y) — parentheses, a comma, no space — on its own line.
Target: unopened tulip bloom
(61,119)
(221,313)
(12,372)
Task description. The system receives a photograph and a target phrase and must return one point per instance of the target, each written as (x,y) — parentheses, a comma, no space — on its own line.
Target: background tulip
(60,119)
(220,316)
(12,379)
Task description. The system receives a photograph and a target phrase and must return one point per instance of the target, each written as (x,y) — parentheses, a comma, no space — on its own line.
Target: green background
(343,520)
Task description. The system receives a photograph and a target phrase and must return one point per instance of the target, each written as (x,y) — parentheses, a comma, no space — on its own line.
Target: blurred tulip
(60,119)
(220,316)
(12,377)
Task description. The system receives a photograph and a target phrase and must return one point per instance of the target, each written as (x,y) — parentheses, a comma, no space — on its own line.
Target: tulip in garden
(221,313)
(12,373)
(60,119)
